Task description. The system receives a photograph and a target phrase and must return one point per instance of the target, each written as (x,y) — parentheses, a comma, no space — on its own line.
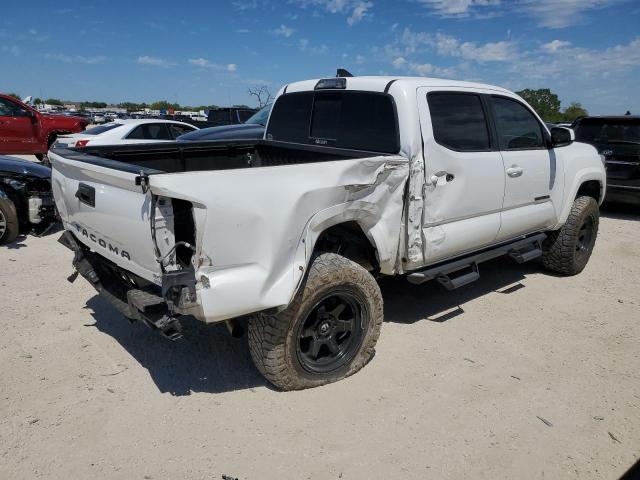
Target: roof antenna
(343,73)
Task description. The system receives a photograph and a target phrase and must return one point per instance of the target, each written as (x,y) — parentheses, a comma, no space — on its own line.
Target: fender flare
(583,176)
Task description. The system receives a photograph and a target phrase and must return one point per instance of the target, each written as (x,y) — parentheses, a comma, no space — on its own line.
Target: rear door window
(459,122)
(344,119)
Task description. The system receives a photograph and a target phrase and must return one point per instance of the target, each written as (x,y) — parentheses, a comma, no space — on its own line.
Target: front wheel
(568,250)
(327,333)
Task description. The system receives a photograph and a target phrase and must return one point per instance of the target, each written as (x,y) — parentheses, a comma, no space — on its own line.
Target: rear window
(101,129)
(343,119)
(244,115)
(151,131)
(221,117)
(603,130)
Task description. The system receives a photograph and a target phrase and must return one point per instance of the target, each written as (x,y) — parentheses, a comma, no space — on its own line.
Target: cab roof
(384,83)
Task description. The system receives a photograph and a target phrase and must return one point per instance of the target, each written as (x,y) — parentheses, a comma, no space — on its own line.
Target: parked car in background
(251,129)
(120,132)
(98,119)
(229,115)
(25,131)
(26,202)
(617,138)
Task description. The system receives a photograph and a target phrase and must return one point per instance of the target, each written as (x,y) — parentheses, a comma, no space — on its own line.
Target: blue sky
(211,52)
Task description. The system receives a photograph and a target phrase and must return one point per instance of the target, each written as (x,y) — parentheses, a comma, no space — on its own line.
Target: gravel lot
(520,375)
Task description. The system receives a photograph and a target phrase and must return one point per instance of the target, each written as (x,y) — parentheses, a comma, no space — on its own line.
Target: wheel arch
(358,229)
(589,182)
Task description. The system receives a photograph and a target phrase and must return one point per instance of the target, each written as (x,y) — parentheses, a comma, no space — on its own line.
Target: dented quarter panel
(259,225)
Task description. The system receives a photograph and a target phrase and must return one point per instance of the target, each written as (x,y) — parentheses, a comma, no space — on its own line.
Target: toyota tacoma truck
(356,178)
(24,130)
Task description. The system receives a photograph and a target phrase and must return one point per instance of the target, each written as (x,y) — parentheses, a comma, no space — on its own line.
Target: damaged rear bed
(218,229)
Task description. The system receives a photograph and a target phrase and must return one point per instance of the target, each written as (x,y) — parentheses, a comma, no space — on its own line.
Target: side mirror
(561,137)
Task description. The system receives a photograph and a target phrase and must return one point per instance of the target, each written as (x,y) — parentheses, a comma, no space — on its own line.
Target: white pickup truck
(356,178)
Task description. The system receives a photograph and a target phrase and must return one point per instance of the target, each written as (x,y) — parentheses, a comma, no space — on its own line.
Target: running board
(521,250)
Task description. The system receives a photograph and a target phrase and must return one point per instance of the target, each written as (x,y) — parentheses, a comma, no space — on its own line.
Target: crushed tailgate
(105,209)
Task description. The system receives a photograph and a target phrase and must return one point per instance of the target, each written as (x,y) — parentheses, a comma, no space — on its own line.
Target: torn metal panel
(255,242)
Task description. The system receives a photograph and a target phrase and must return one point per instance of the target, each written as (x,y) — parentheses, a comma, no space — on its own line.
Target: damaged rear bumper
(133,296)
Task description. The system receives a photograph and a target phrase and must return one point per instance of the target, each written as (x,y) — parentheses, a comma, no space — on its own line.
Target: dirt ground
(520,375)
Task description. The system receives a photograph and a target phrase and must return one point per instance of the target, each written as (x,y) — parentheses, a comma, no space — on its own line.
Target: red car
(24,130)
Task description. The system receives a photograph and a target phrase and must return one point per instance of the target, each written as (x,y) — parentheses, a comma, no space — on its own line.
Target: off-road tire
(560,248)
(10,220)
(273,339)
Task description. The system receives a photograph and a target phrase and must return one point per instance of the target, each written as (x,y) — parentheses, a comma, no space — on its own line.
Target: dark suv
(618,140)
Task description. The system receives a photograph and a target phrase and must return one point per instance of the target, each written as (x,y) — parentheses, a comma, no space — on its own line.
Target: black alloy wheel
(331,333)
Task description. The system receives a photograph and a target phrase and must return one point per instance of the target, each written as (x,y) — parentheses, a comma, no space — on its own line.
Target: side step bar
(522,250)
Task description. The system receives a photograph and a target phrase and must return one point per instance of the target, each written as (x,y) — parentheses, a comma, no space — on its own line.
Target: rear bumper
(134,297)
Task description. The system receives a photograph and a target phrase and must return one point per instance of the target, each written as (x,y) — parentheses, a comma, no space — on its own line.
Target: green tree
(132,106)
(544,102)
(37,101)
(573,111)
(53,101)
(164,105)
(14,95)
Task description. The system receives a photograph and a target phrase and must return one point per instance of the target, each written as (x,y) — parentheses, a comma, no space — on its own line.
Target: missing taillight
(184,229)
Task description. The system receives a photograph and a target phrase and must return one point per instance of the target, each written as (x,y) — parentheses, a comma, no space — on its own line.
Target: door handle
(514,171)
(436,176)
(86,194)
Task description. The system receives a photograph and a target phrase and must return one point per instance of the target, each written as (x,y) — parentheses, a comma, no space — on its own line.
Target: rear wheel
(327,333)
(9,227)
(568,250)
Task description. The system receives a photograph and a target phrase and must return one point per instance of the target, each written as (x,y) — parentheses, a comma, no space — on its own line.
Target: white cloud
(204,63)
(311,50)
(399,62)
(359,12)
(422,69)
(579,63)
(457,8)
(283,31)
(489,52)
(61,57)
(560,14)
(11,50)
(199,62)
(356,10)
(555,46)
(412,43)
(548,13)
(155,61)
(243,30)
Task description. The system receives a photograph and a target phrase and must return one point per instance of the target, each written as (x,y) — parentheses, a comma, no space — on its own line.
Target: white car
(122,132)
